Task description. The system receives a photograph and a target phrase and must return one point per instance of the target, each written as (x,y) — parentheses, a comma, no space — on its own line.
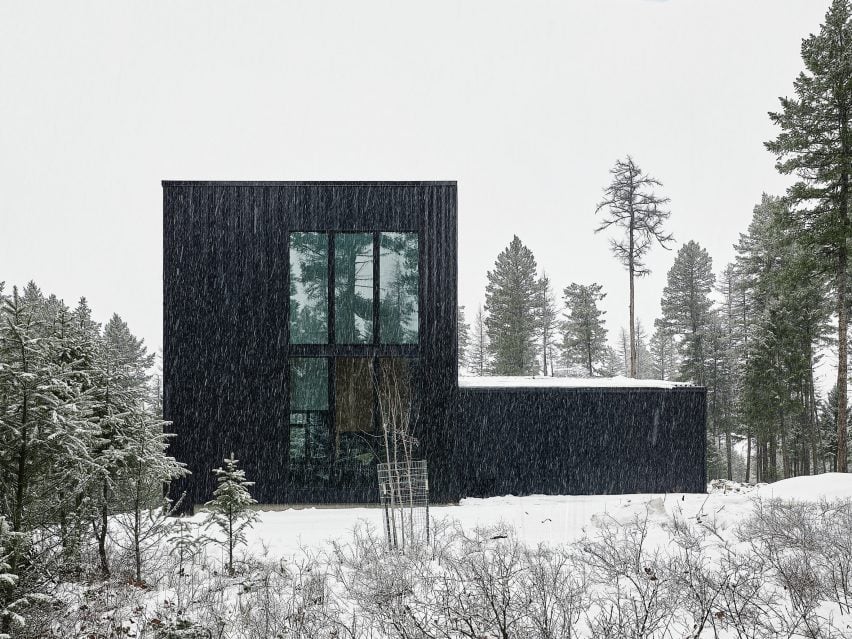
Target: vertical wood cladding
(578,441)
(226,304)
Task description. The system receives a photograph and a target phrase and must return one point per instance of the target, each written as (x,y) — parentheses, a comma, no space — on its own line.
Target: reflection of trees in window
(310,440)
(353,398)
(398,270)
(308,288)
(353,288)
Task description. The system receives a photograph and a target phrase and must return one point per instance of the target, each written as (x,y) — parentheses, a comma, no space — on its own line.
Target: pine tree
(45,435)
(644,363)
(122,366)
(632,205)
(463,333)
(547,323)
(612,364)
(727,354)
(511,300)
(145,523)
(815,144)
(788,318)
(623,348)
(230,509)
(185,544)
(584,332)
(827,424)
(686,307)
(43,428)
(479,346)
(664,359)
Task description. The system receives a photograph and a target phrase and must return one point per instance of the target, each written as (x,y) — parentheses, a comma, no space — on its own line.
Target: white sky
(526,104)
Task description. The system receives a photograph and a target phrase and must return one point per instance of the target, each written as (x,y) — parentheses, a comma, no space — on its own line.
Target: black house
(290,307)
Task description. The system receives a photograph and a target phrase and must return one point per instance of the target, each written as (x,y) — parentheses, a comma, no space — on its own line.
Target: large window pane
(353,399)
(399,281)
(308,383)
(353,288)
(308,288)
(310,438)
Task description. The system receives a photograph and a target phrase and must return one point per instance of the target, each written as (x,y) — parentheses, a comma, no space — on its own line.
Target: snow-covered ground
(542,518)
(732,560)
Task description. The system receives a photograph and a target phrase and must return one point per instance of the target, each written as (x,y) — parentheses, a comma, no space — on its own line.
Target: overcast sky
(526,104)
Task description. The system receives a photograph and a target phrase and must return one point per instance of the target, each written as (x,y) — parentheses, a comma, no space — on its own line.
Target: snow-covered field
(761,562)
(558,519)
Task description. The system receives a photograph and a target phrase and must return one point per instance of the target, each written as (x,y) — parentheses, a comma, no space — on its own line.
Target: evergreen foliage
(547,324)
(686,308)
(584,333)
(815,145)
(79,441)
(463,333)
(478,358)
(9,602)
(230,509)
(664,359)
(511,303)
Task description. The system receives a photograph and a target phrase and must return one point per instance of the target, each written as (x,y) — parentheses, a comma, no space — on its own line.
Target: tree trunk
(102,533)
(748,454)
(632,368)
(589,358)
(632,371)
(812,418)
(842,361)
(773,458)
(728,451)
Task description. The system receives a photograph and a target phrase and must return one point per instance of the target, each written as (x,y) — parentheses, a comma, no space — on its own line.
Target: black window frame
(374,350)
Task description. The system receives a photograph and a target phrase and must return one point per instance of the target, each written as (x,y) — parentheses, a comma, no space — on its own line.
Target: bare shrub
(634,594)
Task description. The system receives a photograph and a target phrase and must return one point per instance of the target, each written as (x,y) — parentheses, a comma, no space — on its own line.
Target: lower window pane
(356,439)
(310,429)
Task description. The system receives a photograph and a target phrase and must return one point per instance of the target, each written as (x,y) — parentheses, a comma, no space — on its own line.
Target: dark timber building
(290,307)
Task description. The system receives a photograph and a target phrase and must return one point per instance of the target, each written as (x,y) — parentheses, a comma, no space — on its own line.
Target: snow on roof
(564,382)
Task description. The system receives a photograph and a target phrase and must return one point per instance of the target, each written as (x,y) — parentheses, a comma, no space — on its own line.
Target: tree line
(81,440)
(754,332)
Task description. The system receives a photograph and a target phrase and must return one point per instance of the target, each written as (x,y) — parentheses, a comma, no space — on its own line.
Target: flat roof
(286,183)
(489,382)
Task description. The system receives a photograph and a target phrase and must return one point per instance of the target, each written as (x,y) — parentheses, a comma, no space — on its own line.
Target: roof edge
(288,183)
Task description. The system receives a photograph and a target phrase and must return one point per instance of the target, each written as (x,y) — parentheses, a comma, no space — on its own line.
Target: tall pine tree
(686,307)
(815,144)
(632,206)
(511,302)
(584,332)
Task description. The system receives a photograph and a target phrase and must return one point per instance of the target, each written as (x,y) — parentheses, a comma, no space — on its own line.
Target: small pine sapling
(230,508)
(185,544)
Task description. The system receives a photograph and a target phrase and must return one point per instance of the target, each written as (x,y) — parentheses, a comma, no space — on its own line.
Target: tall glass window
(310,437)
(356,439)
(308,288)
(353,288)
(399,283)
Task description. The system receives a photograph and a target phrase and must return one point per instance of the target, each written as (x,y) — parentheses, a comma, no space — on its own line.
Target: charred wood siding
(226,303)
(578,441)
